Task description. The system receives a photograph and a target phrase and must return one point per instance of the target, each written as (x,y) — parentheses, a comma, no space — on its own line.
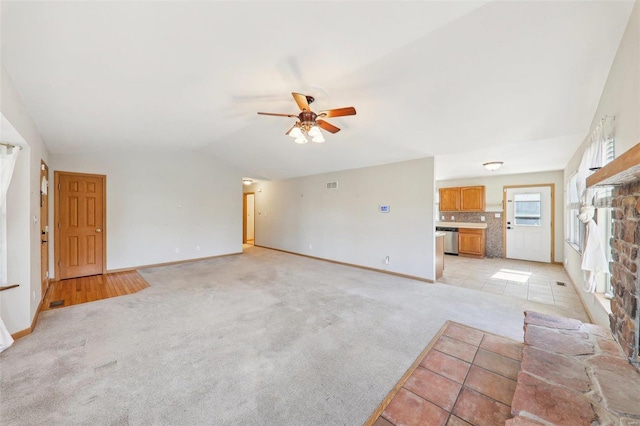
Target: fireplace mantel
(621,171)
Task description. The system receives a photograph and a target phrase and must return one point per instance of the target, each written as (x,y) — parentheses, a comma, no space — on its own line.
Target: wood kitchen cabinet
(464,199)
(449,199)
(471,242)
(472,198)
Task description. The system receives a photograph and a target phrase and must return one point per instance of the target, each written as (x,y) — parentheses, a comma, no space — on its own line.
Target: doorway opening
(44,227)
(248,209)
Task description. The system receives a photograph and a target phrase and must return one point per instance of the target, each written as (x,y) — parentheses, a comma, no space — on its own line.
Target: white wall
(494,188)
(15,307)
(621,98)
(302,216)
(157,203)
(22,305)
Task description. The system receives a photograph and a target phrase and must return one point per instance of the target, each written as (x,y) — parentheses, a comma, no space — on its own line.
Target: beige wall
(19,306)
(164,207)
(620,98)
(302,216)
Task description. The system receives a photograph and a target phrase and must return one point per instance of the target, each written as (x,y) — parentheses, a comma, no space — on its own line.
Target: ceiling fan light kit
(309,122)
(493,165)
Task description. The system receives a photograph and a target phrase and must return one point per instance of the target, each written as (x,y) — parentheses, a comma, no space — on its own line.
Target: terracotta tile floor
(464,377)
(532,281)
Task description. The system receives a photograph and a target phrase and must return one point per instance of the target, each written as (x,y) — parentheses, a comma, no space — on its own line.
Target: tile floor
(533,281)
(466,377)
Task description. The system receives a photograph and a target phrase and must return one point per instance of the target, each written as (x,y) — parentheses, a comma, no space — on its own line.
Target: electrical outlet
(310,247)
(442,217)
(497,214)
(33,294)
(197,248)
(453,218)
(177,250)
(482,218)
(386,260)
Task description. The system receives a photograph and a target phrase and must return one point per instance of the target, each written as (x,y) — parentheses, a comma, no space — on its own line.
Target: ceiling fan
(309,122)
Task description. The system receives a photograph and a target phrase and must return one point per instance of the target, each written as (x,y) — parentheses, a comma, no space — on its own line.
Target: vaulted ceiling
(467,82)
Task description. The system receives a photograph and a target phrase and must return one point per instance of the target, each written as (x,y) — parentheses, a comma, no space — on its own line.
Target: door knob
(98,230)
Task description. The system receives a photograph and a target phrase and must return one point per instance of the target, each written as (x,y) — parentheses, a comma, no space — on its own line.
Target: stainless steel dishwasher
(450,239)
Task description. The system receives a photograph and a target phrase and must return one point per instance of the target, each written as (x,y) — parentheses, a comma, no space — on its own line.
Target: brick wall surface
(625,244)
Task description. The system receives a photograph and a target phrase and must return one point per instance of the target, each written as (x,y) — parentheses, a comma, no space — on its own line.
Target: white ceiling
(468,82)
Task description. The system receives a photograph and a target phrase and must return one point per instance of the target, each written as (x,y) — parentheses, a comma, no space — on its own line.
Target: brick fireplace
(624,174)
(625,244)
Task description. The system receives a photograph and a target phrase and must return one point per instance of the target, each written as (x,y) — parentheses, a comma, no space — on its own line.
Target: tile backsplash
(494,232)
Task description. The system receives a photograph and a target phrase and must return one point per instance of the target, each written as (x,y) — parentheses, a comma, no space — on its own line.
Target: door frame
(244,217)
(553,216)
(56,218)
(44,224)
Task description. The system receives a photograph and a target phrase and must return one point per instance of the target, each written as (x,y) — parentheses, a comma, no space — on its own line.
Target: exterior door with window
(529,223)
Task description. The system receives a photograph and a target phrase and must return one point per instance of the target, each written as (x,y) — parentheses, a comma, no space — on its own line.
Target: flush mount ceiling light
(493,165)
(247,181)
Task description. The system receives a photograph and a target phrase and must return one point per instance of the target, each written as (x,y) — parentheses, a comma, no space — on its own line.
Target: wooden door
(80,219)
(472,198)
(449,199)
(44,227)
(248,208)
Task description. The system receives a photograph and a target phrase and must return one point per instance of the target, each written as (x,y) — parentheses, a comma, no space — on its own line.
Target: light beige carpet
(260,338)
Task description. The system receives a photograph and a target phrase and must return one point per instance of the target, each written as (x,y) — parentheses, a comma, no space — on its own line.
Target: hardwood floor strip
(75,291)
(108,287)
(133,283)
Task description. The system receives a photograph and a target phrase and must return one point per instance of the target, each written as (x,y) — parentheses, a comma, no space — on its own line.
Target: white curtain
(8,157)
(594,157)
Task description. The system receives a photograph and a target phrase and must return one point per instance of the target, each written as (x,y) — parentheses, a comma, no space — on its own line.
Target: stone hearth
(573,374)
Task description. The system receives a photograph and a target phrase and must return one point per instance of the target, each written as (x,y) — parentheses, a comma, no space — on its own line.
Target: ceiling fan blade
(337,112)
(301,100)
(278,115)
(327,126)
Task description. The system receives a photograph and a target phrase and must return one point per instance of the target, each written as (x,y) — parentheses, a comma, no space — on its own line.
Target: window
(602,153)
(575,229)
(605,223)
(527,209)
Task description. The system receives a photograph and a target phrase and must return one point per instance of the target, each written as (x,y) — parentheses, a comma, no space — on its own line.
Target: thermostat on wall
(384,208)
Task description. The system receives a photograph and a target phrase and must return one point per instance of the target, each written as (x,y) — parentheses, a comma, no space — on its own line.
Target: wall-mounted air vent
(332,185)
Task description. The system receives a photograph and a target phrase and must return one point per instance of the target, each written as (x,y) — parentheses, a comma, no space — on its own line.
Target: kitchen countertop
(467,225)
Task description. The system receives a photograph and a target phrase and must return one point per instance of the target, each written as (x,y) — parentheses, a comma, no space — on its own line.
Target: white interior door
(528,233)
(250,217)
